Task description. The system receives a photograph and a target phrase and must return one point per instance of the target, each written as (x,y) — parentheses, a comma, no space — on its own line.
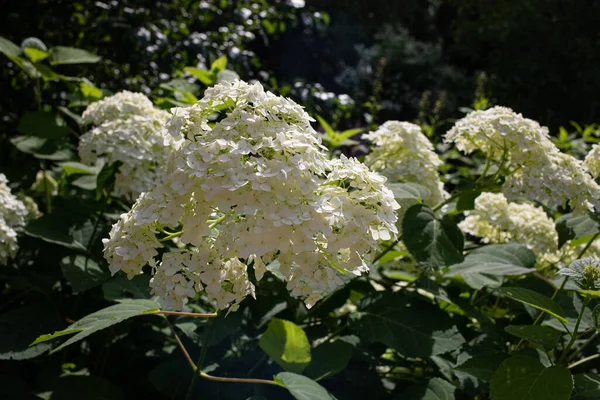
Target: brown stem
(188,314)
(239,380)
(181,346)
(210,377)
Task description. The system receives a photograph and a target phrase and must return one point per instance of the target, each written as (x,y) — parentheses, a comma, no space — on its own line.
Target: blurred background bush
(378,59)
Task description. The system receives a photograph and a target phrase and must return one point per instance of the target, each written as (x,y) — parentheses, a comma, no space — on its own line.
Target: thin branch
(181,346)
(584,360)
(240,380)
(211,377)
(188,314)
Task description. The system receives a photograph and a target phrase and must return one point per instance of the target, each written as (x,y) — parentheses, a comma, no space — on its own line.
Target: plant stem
(181,346)
(240,380)
(574,337)
(219,220)
(200,363)
(443,203)
(188,314)
(587,246)
(211,377)
(561,287)
(583,346)
(584,360)
(46,188)
(171,236)
(386,250)
(97,223)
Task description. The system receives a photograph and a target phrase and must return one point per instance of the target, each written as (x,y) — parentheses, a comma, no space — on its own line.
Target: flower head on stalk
(251,186)
(402,152)
(534,167)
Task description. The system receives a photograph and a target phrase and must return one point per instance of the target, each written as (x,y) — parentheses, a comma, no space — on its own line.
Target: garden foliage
(203,240)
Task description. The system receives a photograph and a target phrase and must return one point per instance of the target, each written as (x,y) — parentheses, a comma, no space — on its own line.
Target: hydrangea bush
(462,267)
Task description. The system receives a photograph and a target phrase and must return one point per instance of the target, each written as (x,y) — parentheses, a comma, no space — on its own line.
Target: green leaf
(483,365)
(49,75)
(82,272)
(525,378)
(466,200)
(42,124)
(42,148)
(287,344)
(409,191)
(223,326)
(412,327)
(572,304)
(301,387)
(101,320)
(594,294)
(50,229)
(204,76)
(68,225)
(541,335)
(75,117)
(432,241)
(219,64)
(172,379)
(89,90)
(8,48)
(12,51)
(76,168)
(495,260)
(181,86)
(535,300)
(35,55)
(596,317)
(21,325)
(348,133)
(587,385)
(326,127)
(328,359)
(576,226)
(85,182)
(431,389)
(71,55)
(119,288)
(106,178)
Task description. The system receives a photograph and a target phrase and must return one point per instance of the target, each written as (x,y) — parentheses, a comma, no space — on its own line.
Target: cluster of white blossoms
(13,214)
(128,129)
(538,170)
(592,161)
(253,186)
(403,153)
(496,220)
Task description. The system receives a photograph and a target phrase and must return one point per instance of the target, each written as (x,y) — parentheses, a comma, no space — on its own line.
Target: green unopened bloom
(585,272)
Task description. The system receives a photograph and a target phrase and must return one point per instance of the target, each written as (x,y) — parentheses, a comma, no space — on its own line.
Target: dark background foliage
(541,56)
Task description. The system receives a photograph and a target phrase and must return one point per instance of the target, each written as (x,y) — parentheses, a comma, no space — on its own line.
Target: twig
(584,360)
(188,314)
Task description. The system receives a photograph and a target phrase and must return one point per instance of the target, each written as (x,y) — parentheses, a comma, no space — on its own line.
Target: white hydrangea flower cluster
(592,161)
(128,129)
(540,171)
(13,213)
(402,152)
(495,220)
(253,187)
